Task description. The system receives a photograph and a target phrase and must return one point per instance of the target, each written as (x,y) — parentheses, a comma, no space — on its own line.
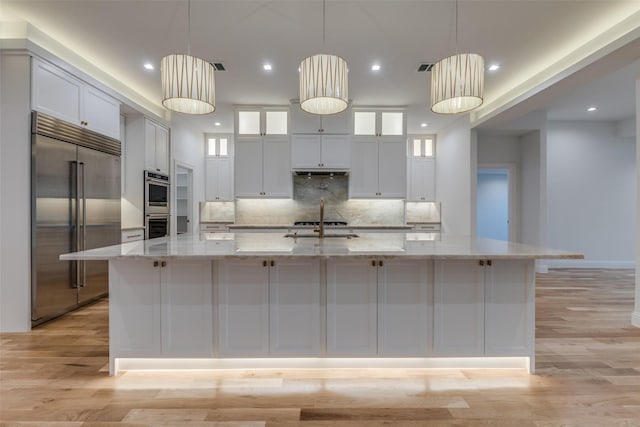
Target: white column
(15,193)
(635,317)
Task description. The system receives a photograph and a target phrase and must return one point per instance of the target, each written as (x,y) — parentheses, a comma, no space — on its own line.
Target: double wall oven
(156,204)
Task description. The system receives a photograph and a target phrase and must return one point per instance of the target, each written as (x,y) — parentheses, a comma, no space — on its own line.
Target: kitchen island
(255,300)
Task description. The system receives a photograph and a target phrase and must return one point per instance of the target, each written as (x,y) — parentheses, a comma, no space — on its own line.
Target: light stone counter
(415,245)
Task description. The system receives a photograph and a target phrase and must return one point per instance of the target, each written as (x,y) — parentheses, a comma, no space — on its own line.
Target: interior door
(100,213)
(52,283)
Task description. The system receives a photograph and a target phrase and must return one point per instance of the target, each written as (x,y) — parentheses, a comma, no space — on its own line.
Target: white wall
(531,192)
(454,174)
(635,317)
(591,192)
(15,193)
(187,147)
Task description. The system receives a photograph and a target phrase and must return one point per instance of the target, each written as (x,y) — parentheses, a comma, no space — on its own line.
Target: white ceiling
(524,36)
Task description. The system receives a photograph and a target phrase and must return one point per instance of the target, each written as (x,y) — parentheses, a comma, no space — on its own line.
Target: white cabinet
(309,152)
(510,309)
(294,310)
(307,123)
(262,121)
(161,307)
(132,235)
(379,122)
(378,168)
(484,307)
(186,315)
(372,303)
(262,152)
(59,94)
(351,307)
(156,143)
(219,185)
(405,303)
(378,154)
(422,174)
(459,308)
(269,307)
(262,167)
(243,308)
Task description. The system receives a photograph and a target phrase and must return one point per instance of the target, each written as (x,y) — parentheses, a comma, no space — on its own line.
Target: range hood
(303,172)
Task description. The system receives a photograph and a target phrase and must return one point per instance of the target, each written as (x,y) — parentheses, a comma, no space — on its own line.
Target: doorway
(184,198)
(494,201)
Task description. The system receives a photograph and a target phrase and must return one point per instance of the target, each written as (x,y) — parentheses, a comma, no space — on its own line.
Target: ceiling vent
(218,66)
(425,67)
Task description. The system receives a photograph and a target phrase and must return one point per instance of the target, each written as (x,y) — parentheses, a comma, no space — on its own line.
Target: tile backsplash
(305,206)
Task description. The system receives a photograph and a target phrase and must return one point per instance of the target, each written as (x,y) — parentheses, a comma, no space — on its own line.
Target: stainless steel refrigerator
(75,205)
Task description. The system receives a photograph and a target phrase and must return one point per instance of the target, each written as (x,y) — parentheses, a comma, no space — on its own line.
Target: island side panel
(510,308)
(134,310)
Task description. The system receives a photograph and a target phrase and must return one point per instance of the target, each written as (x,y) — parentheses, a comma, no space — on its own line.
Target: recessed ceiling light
(375,67)
(494,67)
(590,109)
(423,125)
(216,124)
(149,66)
(267,67)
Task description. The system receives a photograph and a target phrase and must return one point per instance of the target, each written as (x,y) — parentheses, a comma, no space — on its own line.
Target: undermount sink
(326,235)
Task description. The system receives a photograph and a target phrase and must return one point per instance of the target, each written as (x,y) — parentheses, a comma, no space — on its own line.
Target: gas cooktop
(326,223)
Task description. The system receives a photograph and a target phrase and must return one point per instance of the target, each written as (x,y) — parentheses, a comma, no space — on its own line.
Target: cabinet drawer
(132,235)
(214,228)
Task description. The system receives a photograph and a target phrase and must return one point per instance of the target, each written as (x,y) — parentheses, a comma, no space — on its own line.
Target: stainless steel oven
(156,226)
(156,193)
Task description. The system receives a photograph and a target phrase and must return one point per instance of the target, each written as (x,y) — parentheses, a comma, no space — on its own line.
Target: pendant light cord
(456,27)
(189,27)
(323,24)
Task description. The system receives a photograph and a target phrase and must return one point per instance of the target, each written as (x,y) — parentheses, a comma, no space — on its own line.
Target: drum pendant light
(188,82)
(324,85)
(457,82)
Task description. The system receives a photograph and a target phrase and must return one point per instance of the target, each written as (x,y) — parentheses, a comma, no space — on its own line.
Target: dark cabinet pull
(155,263)
(489,263)
(163,264)
(373,262)
(380,263)
(273,263)
(481,262)
(264,263)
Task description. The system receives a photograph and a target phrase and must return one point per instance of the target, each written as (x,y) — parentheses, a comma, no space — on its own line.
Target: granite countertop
(417,245)
(327,227)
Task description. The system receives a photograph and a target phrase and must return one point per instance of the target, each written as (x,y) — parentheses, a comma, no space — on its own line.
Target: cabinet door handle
(264,263)
(489,263)
(155,263)
(131,236)
(273,263)
(380,263)
(373,262)
(163,264)
(481,263)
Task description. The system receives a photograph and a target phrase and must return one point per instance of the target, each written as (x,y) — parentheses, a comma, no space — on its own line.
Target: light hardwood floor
(588,374)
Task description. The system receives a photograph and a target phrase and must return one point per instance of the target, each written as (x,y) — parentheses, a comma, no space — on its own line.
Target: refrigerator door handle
(83,226)
(75,210)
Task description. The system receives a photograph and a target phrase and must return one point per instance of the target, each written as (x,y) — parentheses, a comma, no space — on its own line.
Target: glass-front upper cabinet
(378,123)
(262,121)
(421,146)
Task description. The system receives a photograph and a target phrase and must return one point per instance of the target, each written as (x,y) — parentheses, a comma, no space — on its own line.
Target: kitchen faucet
(320,228)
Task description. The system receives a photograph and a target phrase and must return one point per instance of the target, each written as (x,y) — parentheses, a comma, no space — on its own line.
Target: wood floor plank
(587,360)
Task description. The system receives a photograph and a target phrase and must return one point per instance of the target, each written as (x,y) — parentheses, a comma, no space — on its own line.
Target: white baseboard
(635,319)
(581,263)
